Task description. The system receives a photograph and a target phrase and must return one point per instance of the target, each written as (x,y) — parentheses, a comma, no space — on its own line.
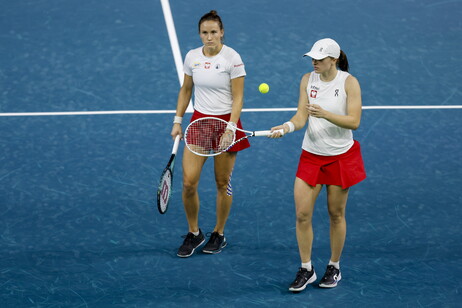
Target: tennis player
(216,72)
(330,100)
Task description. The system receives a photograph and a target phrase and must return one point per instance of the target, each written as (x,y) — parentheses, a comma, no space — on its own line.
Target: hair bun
(212,16)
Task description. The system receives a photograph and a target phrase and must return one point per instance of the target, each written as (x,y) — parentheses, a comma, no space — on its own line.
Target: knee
(303,217)
(189,188)
(222,183)
(337,217)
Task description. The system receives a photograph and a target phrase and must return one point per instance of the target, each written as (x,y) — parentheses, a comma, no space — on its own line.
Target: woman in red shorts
(216,73)
(330,100)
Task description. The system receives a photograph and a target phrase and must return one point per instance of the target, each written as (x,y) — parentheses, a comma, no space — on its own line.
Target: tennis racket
(164,190)
(212,136)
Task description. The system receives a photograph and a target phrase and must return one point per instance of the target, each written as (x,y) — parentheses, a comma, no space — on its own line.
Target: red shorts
(343,170)
(244,144)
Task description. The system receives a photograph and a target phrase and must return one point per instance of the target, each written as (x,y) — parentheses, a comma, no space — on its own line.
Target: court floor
(79,225)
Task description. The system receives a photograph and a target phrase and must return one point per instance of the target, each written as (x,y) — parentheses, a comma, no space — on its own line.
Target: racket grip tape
(176,144)
(267,132)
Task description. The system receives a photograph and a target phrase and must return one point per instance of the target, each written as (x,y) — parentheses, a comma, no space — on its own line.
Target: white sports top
(212,79)
(321,136)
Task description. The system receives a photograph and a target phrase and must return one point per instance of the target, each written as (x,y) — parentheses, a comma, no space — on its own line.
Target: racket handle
(176,144)
(267,132)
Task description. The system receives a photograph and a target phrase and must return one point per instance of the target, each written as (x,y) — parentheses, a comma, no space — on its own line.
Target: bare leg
(305,198)
(192,168)
(336,204)
(224,165)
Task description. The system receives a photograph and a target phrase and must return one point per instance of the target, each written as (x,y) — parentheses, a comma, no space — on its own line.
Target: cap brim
(315,55)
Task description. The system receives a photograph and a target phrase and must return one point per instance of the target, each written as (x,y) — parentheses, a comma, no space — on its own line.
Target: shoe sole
(311,280)
(331,285)
(192,252)
(215,251)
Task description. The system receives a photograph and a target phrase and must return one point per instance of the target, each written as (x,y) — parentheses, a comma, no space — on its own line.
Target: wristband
(291,126)
(231,126)
(177,120)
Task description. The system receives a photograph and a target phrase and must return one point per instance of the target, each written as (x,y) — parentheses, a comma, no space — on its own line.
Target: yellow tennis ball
(263,88)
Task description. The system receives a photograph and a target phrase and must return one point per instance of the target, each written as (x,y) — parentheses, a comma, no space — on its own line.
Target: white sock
(307,265)
(335,264)
(195,233)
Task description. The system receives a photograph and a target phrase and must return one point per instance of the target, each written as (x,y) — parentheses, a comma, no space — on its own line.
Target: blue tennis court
(79,225)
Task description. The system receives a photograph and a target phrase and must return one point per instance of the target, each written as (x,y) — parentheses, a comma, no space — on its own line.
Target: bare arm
(237,90)
(184,96)
(301,116)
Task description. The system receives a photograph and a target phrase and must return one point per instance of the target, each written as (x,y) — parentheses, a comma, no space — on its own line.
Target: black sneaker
(331,277)
(303,278)
(215,244)
(190,243)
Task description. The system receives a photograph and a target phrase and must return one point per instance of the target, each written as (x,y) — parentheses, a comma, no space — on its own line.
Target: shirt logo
(313,93)
(336,92)
(217,66)
(196,64)
(207,65)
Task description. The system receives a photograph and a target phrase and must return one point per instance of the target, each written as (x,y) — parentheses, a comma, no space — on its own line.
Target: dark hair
(343,62)
(213,16)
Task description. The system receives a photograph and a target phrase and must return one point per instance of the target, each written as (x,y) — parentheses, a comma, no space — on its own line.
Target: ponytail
(342,63)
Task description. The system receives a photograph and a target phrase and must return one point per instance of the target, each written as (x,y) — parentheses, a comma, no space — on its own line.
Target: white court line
(64,113)
(174,44)
(415,107)
(364,108)
(179,67)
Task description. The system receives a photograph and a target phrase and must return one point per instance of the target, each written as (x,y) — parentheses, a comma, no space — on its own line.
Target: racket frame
(259,133)
(161,198)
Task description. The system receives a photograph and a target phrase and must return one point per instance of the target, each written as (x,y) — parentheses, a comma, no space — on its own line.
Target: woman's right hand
(275,133)
(176,130)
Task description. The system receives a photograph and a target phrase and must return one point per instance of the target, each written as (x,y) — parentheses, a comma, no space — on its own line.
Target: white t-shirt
(212,79)
(321,136)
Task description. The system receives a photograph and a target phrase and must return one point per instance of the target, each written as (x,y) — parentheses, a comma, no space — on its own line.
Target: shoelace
(214,236)
(331,270)
(188,237)
(300,275)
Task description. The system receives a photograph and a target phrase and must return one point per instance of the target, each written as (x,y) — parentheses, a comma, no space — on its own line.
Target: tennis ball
(263,88)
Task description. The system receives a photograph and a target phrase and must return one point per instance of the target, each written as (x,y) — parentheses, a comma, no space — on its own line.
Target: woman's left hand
(316,111)
(226,140)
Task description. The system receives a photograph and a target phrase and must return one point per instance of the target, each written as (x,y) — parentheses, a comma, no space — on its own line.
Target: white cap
(324,48)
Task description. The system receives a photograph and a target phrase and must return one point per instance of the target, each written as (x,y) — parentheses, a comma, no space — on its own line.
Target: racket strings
(207,136)
(164,191)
